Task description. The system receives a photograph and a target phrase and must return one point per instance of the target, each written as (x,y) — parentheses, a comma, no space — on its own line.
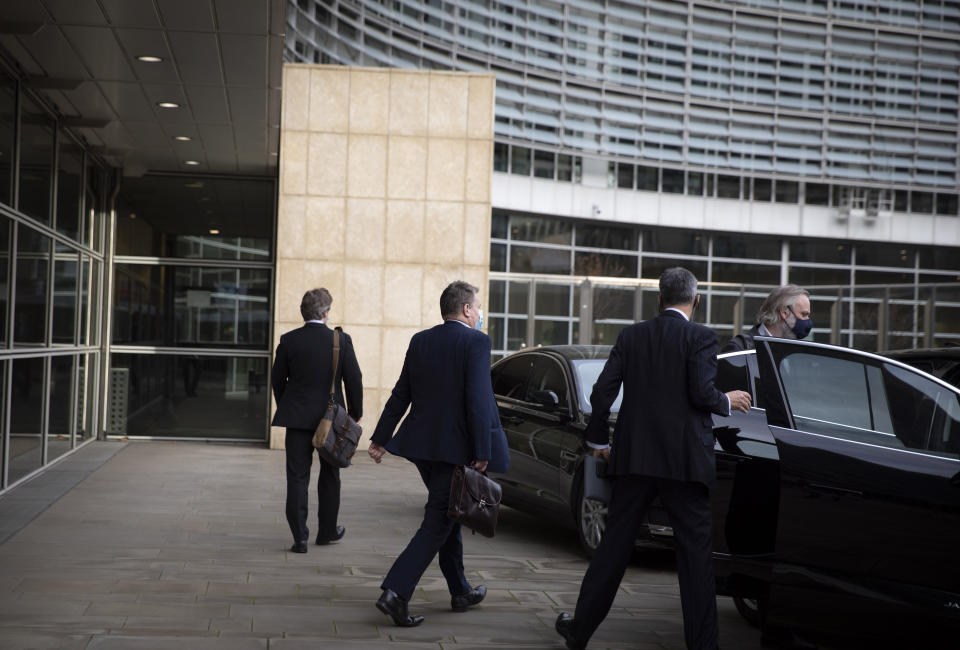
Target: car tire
(751,609)
(590,518)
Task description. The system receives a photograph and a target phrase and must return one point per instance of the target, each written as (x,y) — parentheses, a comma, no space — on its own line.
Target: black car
(943,363)
(837,497)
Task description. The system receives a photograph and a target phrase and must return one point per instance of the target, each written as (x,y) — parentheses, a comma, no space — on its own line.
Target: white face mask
(479,324)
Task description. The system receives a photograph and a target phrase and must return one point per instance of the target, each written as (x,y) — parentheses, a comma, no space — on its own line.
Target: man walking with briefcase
(301,386)
(453,421)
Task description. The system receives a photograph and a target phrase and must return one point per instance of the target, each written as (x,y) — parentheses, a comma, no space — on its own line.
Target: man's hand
(376,451)
(739,401)
(602,453)
(479,465)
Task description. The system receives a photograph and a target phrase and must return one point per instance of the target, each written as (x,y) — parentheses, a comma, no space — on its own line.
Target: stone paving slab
(165,545)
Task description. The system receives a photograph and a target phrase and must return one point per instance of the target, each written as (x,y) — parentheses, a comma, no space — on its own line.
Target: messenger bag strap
(336,358)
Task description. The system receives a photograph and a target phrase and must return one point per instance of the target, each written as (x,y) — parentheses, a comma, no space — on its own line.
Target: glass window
(606,333)
(728,187)
(787,191)
(516,333)
(520,160)
(191,396)
(625,176)
(613,303)
(695,183)
(498,257)
(733,374)
(8,103)
(541,230)
(921,202)
(607,236)
(26,417)
(510,377)
(65,269)
(501,162)
(196,217)
(810,276)
(553,299)
(547,375)
(588,371)
(817,194)
(901,200)
(880,254)
(648,178)
(551,332)
(745,273)
(30,315)
(529,259)
(937,257)
(947,204)
(654,266)
(605,265)
(93,219)
(498,225)
(747,246)
(36,160)
(674,240)
(86,408)
(5,225)
(924,414)
(564,167)
(59,414)
(673,181)
(820,250)
(762,189)
(191,306)
(495,331)
(497,300)
(543,164)
(69,187)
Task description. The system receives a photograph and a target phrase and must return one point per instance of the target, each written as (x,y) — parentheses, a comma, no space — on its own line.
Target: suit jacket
(453,418)
(742,341)
(301,376)
(667,366)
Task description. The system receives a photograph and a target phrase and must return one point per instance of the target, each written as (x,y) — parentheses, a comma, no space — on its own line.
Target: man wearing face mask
(785,314)
(453,421)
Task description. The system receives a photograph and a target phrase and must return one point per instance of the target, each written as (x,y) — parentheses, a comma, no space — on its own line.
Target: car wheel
(591,522)
(751,609)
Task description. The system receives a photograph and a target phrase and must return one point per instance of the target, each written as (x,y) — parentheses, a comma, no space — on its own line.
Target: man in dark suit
(662,445)
(301,386)
(453,421)
(785,313)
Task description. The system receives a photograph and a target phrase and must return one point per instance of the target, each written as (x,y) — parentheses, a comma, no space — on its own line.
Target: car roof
(945,354)
(570,352)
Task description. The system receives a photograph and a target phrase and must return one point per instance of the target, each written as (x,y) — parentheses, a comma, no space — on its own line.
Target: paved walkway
(184,545)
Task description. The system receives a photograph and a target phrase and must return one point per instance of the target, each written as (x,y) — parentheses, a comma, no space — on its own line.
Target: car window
(732,373)
(925,414)
(588,371)
(547,374)
(510,377)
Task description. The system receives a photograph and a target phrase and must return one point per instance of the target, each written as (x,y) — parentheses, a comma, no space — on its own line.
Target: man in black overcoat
(662,445)
(301,387)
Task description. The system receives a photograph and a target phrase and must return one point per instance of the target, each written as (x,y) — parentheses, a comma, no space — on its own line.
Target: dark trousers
(688,506)
(438,535)
(299,445)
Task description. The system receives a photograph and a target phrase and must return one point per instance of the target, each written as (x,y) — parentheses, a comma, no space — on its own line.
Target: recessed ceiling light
(194,184)
(214,231)
(191,162)
(146,58)
(182,138)
(133,215)
(168,105)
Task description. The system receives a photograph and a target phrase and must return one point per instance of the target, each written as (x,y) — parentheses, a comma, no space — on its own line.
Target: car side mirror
(546,398)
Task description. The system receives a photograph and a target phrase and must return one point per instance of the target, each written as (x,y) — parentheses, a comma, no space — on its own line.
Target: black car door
(869,455)
(509,379)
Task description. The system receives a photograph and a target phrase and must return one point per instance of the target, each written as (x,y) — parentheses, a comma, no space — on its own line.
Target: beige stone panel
(366,229)
(291,222)
(478,172)
(476,232)
(408,102)
(363,299)
(405,231)
(407,168)
(481,108)
(372,406)
(369,101)
(443,233)
(448,105)
(325,228)
(435,280)
(395,343)
(366,344)
(402,294)
(329,100)
(446,167)
(367,166)
(296,98)
(296,277)
(277,436)
(328,156)
(293,162)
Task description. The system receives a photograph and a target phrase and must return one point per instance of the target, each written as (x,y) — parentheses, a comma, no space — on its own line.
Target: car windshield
(587,372)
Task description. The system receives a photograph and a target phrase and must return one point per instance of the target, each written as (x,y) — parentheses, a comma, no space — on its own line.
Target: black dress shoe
(463,601)
(564,625)
(299,547)
(323,541)
(396,608)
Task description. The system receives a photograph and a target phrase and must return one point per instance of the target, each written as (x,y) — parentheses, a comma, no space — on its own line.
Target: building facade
(757,143)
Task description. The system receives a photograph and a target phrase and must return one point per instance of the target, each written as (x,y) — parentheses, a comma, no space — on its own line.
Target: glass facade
(535,298)
(51,272)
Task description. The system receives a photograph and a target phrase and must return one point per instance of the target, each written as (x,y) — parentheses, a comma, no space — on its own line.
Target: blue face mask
(479,324)
(802,327)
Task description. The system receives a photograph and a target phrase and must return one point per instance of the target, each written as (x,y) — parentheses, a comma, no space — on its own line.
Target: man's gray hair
(678,286)
(455,296)
(315,304)
(780,298)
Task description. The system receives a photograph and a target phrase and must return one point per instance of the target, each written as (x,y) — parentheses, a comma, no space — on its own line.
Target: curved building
(762,142)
